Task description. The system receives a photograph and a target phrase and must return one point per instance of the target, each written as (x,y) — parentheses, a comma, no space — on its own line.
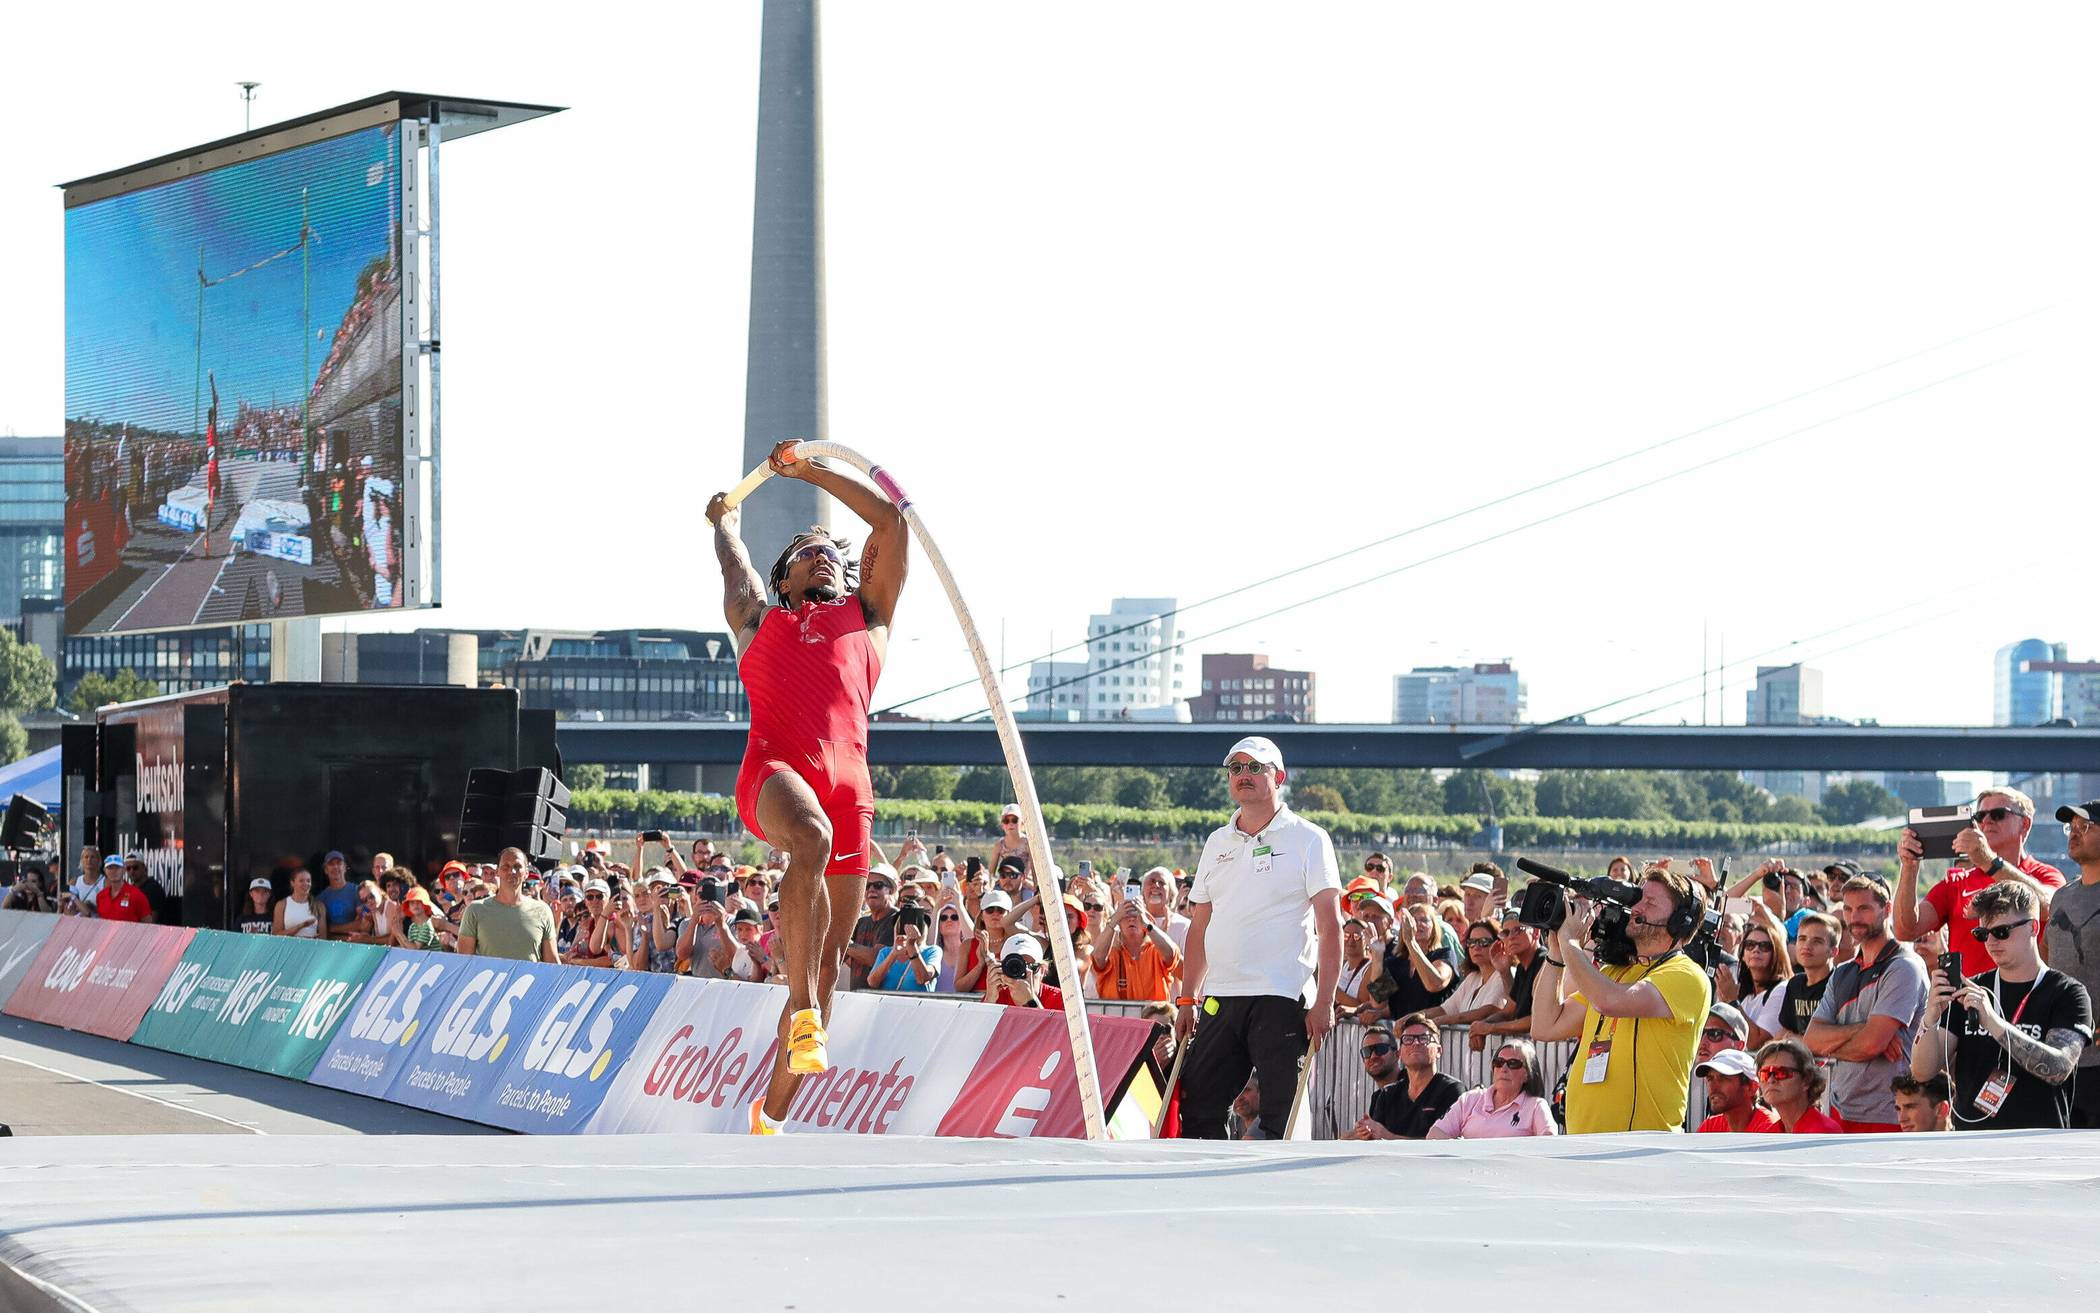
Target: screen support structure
(421,423)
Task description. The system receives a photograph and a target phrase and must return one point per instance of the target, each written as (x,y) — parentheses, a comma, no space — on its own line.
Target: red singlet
(810,674)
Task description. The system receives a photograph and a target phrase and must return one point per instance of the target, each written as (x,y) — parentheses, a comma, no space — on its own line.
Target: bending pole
(1050,898)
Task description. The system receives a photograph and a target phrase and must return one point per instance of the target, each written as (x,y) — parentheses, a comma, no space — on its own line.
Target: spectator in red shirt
(126,900)
(1793,1085)
(1016,979)
(1731,1096)
(1993,848)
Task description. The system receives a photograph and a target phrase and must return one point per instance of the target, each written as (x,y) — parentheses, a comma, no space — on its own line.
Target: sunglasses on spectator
(1418,1041)
(1480,943)
(1245,768)
(1374,1050)
(1092,907)
(594,898)
(1995,814)
(1509,1064)
(1757,945)
(2001,933)
(1379,867)
(1778,1073)
(950,916)
(1717,1034)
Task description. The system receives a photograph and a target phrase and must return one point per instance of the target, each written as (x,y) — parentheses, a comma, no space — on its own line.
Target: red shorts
(838,774)
(1868,1128)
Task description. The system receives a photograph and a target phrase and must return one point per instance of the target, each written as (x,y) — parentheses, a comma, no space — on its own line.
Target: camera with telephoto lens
(1015,965)
(1545,906)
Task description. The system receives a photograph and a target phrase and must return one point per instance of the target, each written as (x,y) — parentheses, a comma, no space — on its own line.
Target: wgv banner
(97,976)
(899,1066)
(257,1001)
(22,934)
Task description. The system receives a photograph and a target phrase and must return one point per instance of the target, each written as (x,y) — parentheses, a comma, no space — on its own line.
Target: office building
(32,518)
(1487,693)
(1243,686)
(2021,693)
(1133,669)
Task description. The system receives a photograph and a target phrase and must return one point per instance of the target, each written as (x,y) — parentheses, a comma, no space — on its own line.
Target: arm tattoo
(2053,1057)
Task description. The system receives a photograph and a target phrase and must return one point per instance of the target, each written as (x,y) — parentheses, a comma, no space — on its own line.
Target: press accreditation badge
(1993,1093)
(1264,858)
(1599,1061)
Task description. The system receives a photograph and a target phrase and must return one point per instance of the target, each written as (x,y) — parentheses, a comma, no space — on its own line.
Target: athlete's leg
(847,894)
(791,818)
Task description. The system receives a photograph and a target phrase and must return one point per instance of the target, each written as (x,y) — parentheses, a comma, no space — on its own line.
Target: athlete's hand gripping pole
(1052,898)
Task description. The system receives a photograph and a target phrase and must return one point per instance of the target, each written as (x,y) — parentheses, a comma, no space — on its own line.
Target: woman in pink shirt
(1511,1103)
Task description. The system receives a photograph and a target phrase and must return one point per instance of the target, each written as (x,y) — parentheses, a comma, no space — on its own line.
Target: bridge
(1581,747)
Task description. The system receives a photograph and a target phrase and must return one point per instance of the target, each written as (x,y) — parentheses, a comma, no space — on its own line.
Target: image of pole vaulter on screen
(234,392)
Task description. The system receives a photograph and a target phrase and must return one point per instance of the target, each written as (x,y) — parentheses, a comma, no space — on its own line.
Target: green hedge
(624,809)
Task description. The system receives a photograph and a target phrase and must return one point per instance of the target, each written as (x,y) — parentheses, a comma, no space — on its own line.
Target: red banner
(1022,1084)
(99,976)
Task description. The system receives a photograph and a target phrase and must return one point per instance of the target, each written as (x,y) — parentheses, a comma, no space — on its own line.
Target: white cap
(1479,880)
(1012,809)
(660,875)
(259,882)
(596,887)
(1730,1062)
(1025,945)
(1260,749)
(996,898)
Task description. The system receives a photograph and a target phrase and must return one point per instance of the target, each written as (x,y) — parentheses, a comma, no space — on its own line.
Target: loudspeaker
(525,809)
(26,827)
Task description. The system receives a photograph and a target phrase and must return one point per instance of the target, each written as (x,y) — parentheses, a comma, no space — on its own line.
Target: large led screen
(234,395)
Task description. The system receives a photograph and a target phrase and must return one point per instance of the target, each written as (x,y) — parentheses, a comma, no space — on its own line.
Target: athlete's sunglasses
(825,550)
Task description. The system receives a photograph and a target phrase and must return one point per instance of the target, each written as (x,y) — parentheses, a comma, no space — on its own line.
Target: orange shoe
(758,1120)
(806,1040)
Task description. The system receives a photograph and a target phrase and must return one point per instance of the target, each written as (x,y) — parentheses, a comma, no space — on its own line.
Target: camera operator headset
(1625,1076)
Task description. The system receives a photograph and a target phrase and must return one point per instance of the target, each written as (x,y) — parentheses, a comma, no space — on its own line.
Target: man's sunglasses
(825,550)
(1380,867)
(2001,933)
(1777,1073)
(1717,1035)
(1995,814)
(1237,768)
(1376,1050)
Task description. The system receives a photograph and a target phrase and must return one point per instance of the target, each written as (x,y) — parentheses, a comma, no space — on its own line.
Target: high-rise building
(1133,669)
(1486,693)
(1785,695)
(619,674)
(2021,694)
(32,519)
(1244,686)
(2077,689)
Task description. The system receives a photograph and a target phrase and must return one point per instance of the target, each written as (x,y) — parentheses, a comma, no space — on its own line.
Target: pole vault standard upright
(1051,897)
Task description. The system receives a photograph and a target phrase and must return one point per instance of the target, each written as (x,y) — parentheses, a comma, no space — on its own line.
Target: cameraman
(1638,1024)
(1017,980)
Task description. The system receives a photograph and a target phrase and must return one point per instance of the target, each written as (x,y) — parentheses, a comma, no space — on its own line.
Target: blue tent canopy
(37,776)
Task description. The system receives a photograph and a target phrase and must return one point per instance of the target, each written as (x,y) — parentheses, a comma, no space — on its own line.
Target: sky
(131,317)
(1164,299)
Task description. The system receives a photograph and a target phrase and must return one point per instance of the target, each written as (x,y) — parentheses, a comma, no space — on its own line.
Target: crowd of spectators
(1838,1000)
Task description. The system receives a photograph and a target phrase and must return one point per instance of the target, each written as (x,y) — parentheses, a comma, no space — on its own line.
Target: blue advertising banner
(403,998)
(454,1064)
(555,1081)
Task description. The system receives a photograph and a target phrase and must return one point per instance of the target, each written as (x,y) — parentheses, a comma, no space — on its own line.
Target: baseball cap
(596,887)
(2084,811)
(1362,886)
(659,875)
(593,846)
(885,870)
(113,859)
(335,855)
(1478,880)
(1844,869)
(745,916)
(997,898)
(1729,1062)
(259,882)
(1012,864)
(1012,809)
(1260,749)
(1379,901)
(1732,1017)
(1025,945)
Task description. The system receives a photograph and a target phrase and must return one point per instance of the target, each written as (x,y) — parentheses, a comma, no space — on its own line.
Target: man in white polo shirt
(1267,895)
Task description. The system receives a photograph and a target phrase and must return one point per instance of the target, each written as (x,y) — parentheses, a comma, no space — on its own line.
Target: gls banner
(556,1079)
(264,1003)
(98,976)
(404,997)
(458,1058)
(22,934)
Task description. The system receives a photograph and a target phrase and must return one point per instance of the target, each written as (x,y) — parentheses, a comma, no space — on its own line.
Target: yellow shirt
(1648,1073)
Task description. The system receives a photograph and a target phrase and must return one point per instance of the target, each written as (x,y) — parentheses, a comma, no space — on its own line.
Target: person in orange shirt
(1138,960)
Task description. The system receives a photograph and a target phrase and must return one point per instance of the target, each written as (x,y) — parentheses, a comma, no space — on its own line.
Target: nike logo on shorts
(840,857)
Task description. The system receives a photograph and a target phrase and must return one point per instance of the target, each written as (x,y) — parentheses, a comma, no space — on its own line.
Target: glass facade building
(32,517)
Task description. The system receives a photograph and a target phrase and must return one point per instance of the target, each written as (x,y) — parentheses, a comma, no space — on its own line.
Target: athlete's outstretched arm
(743,592)
(882,561)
